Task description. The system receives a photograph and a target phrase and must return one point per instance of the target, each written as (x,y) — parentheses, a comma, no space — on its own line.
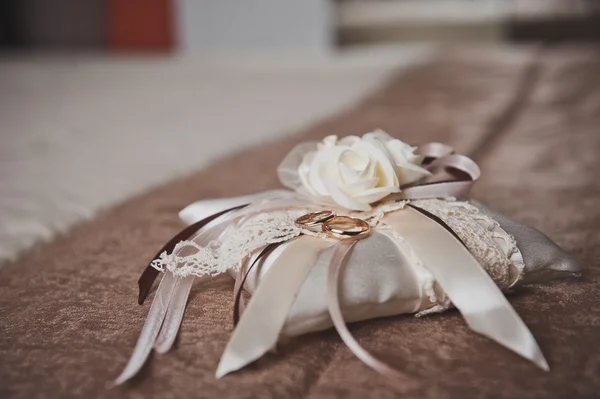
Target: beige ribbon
(167,310)
(265,315)
(336,266)
(467,284)
(156,315)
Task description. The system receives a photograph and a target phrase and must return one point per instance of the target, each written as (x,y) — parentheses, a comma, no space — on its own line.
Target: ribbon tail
(154,321)
(175,310)
(483,305)
(238,303)
(210,228)
(178,301)
(176,307)
(259,327)
(336,266)
(150,273)
(168,306)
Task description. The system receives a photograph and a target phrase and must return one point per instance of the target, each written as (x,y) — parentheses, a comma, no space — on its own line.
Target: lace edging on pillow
(481,234)
(238,242)
(246,236)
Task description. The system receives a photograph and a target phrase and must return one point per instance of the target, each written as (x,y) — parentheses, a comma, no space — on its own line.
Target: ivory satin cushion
(383,277)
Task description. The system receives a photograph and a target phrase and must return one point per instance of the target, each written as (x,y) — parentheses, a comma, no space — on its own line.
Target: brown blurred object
(464,21)
(53,24)
(141,25)
(555,21)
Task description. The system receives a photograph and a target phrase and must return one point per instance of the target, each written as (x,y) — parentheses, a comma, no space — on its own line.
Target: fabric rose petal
(355,172)
(402,155)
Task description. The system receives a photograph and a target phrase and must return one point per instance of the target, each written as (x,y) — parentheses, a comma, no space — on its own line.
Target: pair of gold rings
(340,227)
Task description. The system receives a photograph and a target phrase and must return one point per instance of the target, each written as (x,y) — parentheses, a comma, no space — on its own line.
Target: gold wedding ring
(340,227)
(345,227)
(314,219)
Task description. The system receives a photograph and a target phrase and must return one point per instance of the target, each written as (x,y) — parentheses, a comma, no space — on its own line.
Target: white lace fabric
(486,240)
(236,243)
(253,231)
(493,248)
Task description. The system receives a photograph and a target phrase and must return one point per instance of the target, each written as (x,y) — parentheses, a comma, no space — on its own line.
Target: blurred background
(206,27)
(101,100)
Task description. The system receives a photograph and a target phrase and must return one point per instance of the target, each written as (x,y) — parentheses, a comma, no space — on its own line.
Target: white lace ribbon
(168,306)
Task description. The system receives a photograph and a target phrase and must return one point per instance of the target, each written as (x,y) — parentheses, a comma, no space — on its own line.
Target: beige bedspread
(68,311)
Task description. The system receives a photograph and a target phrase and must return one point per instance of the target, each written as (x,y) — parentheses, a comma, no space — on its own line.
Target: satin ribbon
(433,150)
(453,188)
(164,318)
(154,321)
(165,314)
(440,158)
(471,290)
(150,273)
(336,266)
(198,215)
(451,257)
(178,301)
(484,307)
(183,285)
(238,303)
(174,316)
(260,325)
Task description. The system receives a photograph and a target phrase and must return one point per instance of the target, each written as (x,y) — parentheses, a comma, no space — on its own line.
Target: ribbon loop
(336,266)
(435,150)
(466,173)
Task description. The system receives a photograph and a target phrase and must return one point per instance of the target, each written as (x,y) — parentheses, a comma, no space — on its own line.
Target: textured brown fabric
(68,312)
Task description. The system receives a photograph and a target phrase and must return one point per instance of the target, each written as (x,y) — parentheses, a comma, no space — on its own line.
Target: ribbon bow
(484,307)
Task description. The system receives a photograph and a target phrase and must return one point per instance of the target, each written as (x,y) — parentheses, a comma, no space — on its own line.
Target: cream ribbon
(167,310)
(151,329)
(336,266)
(469,287)
(473,292)
(265,315)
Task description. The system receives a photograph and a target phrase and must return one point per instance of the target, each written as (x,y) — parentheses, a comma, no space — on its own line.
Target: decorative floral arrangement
(370,227)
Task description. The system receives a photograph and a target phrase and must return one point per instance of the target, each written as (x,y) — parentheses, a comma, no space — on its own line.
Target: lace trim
(375,215)
(236,243)
(428,283)
(252,232)
(247,235)
(481,234)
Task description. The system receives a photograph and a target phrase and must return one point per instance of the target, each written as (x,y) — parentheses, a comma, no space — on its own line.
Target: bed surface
(531,119)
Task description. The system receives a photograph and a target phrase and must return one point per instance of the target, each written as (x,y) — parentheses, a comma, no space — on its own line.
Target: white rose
(355,172)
